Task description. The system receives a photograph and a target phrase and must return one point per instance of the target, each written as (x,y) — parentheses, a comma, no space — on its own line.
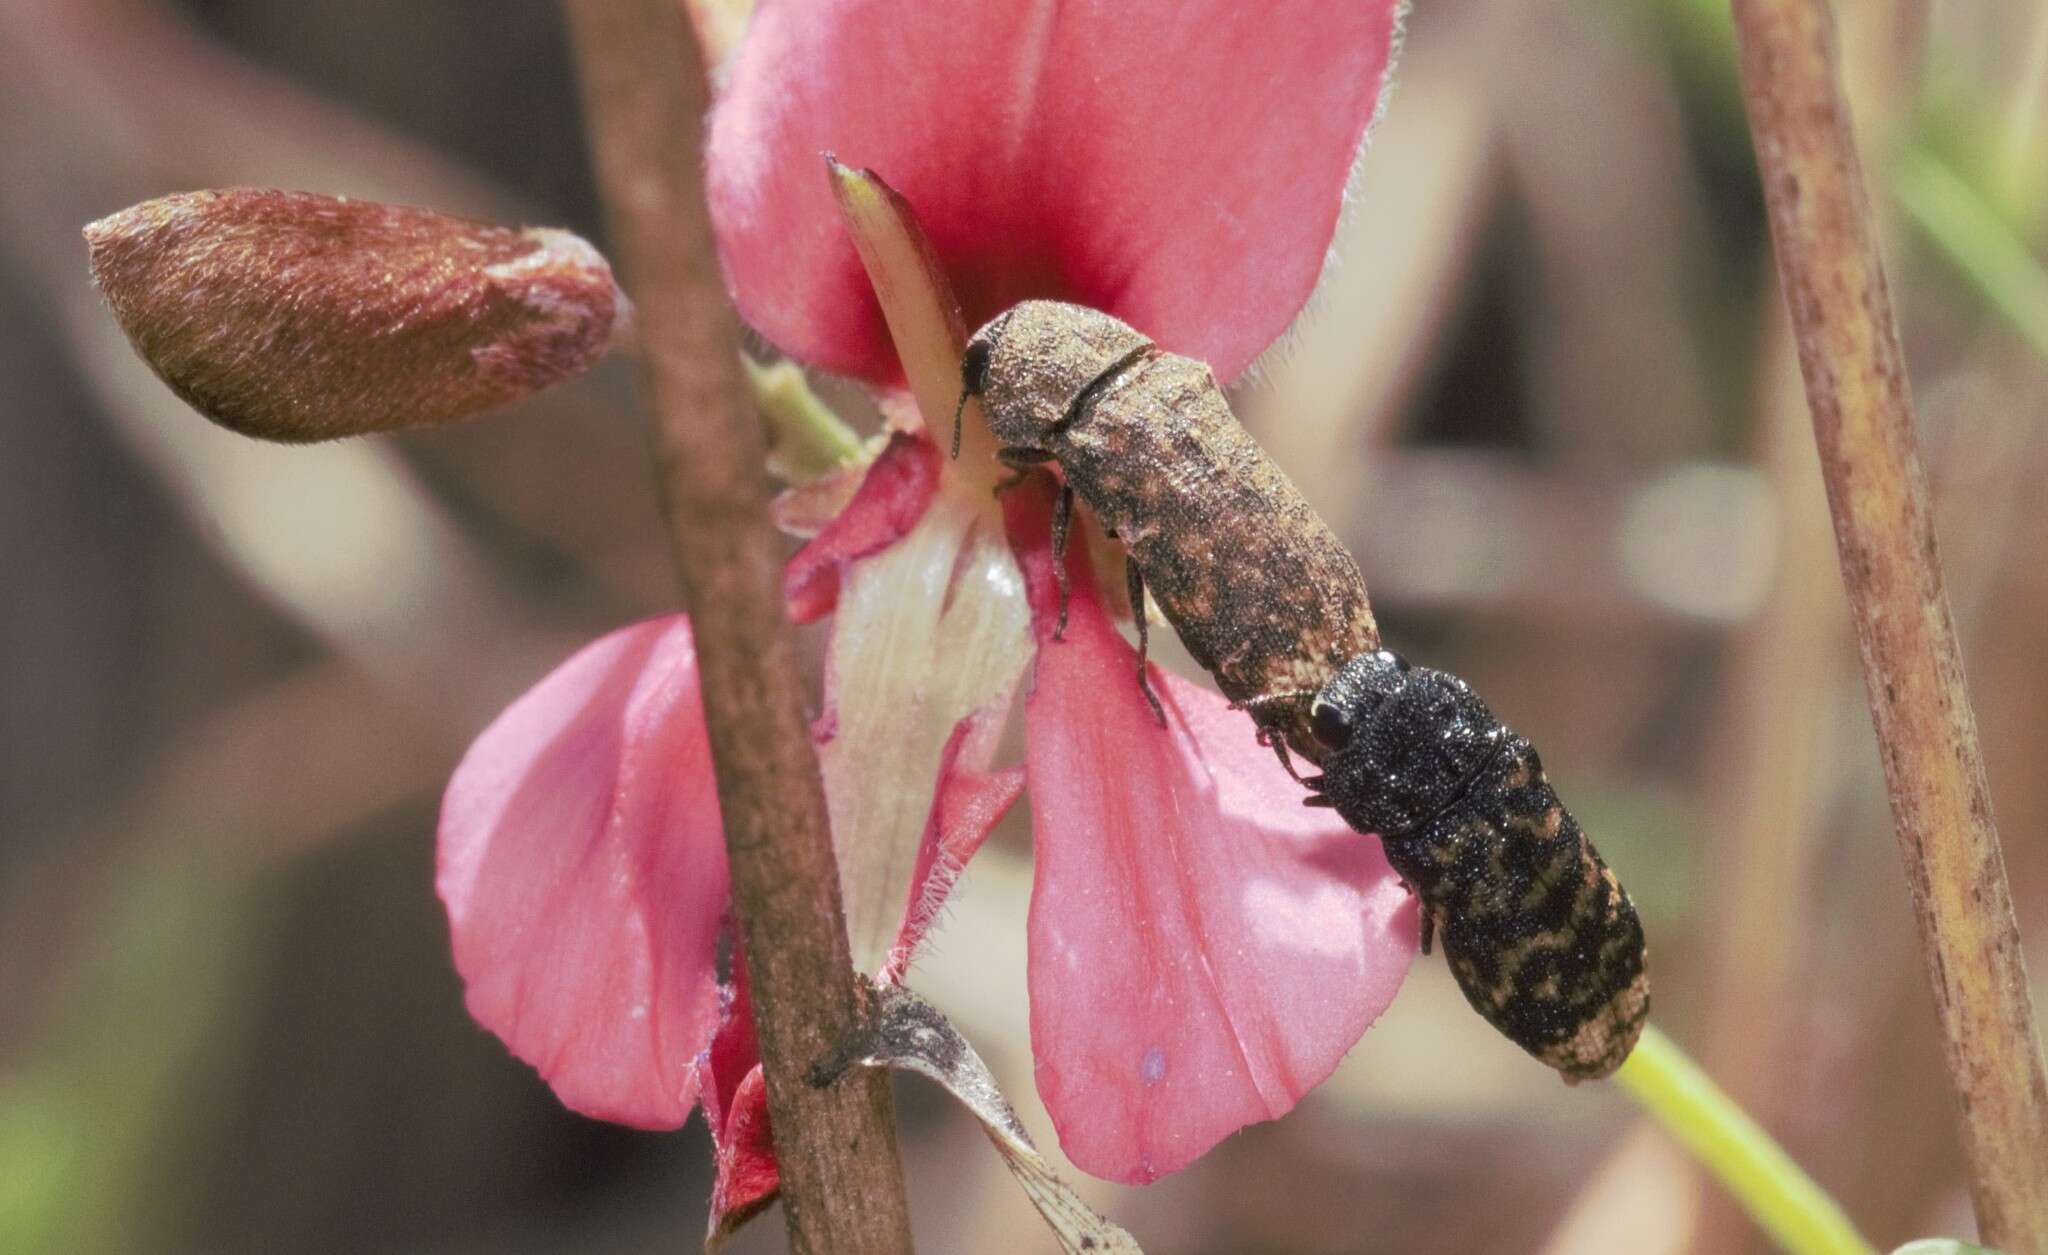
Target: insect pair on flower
(1539,933)
(1203,950)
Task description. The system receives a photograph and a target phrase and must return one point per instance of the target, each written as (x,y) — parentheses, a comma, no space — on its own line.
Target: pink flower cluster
(1203,950)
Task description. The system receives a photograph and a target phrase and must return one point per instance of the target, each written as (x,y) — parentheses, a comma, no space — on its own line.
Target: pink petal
(736,1109)
(734,1050)
(893,496)
(1203,949)
(965,810)
(582,863)
(1179,163)
(748,1178)
(804,510)
(929,631)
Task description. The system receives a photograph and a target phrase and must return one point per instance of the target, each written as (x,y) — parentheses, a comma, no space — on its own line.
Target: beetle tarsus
(1062,527)
(1134,588)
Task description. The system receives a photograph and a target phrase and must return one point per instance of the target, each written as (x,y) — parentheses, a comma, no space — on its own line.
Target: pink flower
(1203,950)
(1180,165)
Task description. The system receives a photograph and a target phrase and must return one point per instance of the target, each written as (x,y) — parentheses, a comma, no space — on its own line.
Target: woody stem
(643,98)
(1862,413)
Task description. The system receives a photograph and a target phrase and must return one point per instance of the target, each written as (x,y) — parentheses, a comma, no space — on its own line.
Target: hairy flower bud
(297,317)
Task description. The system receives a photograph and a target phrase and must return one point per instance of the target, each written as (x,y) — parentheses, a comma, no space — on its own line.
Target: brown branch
(1863,422)
(643,96)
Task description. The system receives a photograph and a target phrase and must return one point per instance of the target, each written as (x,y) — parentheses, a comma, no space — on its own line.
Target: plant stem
(1863,423)
(643,98)
(1781,1198)
(805,438)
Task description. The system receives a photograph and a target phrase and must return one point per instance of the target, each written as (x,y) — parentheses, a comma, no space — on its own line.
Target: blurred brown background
(1547,396)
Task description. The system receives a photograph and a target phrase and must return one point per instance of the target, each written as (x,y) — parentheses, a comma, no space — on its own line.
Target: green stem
(1972,237)
(805,438)
(1777,1194)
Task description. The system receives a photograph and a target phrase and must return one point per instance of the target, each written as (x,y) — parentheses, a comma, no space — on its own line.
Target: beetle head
(1400,742)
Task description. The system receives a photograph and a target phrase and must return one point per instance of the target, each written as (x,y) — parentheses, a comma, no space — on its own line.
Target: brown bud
(297,317)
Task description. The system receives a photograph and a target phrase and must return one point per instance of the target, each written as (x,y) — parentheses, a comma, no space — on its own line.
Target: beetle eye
(974,366)
(1331,725)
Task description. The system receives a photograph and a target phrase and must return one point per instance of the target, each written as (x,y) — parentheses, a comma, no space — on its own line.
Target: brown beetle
(1540,935)
(1262,593)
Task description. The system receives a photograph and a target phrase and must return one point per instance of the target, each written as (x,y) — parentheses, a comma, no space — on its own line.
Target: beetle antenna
(958,410)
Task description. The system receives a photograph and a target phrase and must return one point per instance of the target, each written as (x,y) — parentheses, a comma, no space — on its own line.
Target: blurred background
(1548,397)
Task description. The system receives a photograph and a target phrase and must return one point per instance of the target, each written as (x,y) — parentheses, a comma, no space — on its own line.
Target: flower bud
(297,317)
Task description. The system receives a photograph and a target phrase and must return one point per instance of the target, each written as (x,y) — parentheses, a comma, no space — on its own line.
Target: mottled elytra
(1541,936)
(1538,932)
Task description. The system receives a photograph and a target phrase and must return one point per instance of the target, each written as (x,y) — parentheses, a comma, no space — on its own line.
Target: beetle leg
(1062,527)
(1279,744)
(1257,705)
(1020,459)
(1134,586)
(958,412)
(1268,735)
(1428,928)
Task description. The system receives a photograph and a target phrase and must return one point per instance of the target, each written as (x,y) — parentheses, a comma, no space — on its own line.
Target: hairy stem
(1781,1198)
(1863,423)
(643,97)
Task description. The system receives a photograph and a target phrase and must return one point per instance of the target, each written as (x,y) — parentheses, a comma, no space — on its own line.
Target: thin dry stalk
(643,97)
(1863,422)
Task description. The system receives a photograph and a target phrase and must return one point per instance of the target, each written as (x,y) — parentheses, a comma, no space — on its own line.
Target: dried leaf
(909,1034)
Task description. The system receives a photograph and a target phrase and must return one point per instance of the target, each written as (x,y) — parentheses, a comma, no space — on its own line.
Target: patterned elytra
(1540,935)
